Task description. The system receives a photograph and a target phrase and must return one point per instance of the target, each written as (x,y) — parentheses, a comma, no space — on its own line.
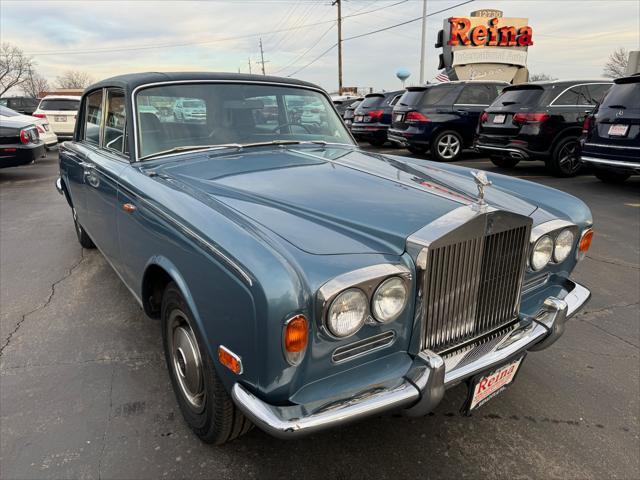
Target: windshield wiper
(190,148)
(622,107)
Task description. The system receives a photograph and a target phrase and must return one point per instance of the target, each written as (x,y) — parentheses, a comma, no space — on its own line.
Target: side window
(476,95)
(570,97)
(597,91)
(93,117)
(114,128)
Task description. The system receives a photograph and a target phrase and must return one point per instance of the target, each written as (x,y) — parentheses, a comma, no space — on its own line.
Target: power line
(313,45)
(376,31)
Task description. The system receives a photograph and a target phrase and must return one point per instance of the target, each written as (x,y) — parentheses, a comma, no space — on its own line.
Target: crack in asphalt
(614,262)
(599,327)
(607,308)
(106,361)
(45,304)
(106,427)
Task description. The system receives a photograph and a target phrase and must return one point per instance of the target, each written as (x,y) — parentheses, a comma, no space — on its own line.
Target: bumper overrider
(422,387)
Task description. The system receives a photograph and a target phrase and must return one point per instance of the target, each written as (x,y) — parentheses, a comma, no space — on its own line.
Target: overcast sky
(572,38)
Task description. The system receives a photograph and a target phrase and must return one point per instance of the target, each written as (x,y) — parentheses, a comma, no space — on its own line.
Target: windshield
(623,94)
(241,114)
(60,104)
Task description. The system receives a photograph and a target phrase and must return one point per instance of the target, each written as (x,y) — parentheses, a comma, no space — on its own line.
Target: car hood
(331,200)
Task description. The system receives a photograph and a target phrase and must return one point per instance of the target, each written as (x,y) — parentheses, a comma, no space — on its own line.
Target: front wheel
(564,161)
(610,176)
(447,146)
(504,162)
(205,404)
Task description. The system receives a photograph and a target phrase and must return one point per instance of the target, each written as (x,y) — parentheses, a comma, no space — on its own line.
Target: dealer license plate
(486,386)
(357,118)
(399,117)
(499,118)
(60,118)
(618,130)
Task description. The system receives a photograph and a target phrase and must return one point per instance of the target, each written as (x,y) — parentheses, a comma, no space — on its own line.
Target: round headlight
(564,243)
(541,253)
(389,300)
(347,313)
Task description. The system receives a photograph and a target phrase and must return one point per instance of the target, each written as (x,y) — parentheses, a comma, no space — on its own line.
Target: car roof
(555,83)
(635,78)
(131,81)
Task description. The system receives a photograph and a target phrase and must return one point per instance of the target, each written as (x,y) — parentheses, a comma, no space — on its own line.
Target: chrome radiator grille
(472,287)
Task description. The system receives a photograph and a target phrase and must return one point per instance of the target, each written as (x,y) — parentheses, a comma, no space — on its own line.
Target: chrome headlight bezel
(359,296)
(551,229)
(571,240)
(368,280)
(548,242)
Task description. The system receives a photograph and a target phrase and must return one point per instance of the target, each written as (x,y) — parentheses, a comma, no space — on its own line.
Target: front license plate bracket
(502,378)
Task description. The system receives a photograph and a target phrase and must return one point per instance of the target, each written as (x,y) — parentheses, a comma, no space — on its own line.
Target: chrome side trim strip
(619,147)
(613,163)
(574,86)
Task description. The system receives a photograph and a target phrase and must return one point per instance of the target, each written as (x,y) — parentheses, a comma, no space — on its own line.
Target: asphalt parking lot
(84,392)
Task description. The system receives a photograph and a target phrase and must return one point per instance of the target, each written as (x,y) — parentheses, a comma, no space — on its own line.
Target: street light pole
(424,40)
(339,4)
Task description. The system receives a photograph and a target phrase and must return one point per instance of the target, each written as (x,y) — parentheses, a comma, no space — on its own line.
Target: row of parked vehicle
(551,121)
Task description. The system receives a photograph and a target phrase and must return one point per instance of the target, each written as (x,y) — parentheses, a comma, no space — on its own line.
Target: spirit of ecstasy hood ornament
(481,182)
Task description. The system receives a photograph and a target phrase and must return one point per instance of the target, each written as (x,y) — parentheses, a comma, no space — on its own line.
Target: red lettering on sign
(459,29)
(482,385)
(493,32)
(479,35)
(525,35)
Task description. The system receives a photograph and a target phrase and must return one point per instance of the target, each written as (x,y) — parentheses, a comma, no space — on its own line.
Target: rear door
(472,101)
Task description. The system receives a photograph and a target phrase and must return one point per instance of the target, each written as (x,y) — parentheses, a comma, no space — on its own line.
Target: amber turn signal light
(229,359)
(585,243)
(296,334)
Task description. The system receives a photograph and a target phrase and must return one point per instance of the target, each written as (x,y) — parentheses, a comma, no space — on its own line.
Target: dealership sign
(485,46)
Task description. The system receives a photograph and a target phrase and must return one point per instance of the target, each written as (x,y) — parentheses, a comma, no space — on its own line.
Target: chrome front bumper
(423,386)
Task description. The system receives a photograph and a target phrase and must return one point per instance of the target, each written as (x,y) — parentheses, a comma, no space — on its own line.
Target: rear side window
(596,92)
(578,95)
(93,117)
(411,97)
(60,104)
(372,101)
(436,95)
(114,128)
(519,96)
(477,95)
(624,94)
(394,100)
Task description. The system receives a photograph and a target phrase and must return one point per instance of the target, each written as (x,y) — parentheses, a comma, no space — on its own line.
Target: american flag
(442,77)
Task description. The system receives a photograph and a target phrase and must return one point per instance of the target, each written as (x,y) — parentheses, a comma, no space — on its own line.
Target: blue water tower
(403,74)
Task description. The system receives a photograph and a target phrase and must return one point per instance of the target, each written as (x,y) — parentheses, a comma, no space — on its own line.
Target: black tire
(504,162)
(447,146)
(611,176)
(377,142)
(564,161)
(83,238)
(416,150)
(210,411)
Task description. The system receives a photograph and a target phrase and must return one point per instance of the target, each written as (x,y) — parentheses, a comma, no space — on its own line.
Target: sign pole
(424,40)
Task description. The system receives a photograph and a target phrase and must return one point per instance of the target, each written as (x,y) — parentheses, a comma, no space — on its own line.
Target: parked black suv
(24,105)
(441,117)
(372,118)
(611,135)
(349,113)
(539,121)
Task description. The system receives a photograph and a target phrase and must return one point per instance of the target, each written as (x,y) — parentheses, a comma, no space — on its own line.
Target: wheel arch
(563,134)
(65,191)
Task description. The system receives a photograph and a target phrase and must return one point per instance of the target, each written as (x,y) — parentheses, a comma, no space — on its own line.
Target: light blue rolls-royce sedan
(301,282)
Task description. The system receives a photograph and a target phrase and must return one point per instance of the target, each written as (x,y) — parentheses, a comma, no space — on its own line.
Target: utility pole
(262,56)
(424,40)
(250,65)
(339,4)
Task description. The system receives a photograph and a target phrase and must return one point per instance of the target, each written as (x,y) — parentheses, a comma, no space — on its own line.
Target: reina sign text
(490,36)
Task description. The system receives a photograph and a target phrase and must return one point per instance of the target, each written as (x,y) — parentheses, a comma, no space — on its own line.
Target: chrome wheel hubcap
(448,146)
(186,360)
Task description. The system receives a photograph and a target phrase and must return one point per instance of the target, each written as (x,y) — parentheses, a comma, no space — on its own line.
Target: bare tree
(616,66)
(74,79)
(15,67)
(35,84)
(540,77)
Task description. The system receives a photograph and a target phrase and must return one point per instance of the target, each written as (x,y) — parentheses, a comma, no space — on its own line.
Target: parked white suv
(61,112)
